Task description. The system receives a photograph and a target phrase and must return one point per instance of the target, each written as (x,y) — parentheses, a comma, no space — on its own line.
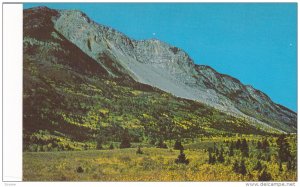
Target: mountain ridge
(170,69)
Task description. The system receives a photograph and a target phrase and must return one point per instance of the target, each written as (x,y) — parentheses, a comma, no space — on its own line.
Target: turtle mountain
(80,76)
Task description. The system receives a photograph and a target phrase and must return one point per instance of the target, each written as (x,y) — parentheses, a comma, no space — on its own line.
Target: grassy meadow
(158,164)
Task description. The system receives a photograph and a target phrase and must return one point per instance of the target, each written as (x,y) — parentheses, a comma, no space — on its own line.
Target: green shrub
(265,176)
(178,146)
(182,159)
(79,170)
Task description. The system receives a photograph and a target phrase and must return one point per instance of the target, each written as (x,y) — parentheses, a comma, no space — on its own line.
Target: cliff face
(165,67)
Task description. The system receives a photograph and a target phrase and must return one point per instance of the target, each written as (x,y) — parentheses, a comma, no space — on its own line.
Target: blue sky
(254,42)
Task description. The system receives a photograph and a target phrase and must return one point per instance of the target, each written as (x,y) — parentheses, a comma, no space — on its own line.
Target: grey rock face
(170,69)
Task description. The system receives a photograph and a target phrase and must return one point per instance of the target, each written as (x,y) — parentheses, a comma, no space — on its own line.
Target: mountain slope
(170,69)
(83,80)
(70,99)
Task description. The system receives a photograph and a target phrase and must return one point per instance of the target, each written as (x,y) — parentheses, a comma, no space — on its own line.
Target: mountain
(172,70)
(80,76)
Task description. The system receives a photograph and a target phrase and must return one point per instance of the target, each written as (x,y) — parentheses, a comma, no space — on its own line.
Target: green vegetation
(182,159)
(80,123)
(156,164)
(67,111)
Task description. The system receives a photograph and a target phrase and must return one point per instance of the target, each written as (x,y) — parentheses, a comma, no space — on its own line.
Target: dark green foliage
(258,166)
(111,146)
(231,149)
(178,146)
(215,155)
(239,167)
(265,176)
(238,144)
(139,151)
(236,166)
(222,149)
(284,153)
(182,159)
(259,145)
(242,168)
(125,143)
(161,144)
(244,148)
(79,170)
(211,158)
(216,150)
(265,145)
(221,157)
(101,137)
(210,161)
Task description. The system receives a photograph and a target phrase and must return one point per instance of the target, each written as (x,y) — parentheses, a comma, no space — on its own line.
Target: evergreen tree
(265,145)
(100,138)
(221,157)
(242,168)
(264,176)
(217,151)
(244,148)
(215,147)
(231,151)
(178,146)
(182,159)
(284,153)
(210,161)
(259,145)
(79,169)
(214,159)
(125,142)
(236,166)
(211,157)
(238,144)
